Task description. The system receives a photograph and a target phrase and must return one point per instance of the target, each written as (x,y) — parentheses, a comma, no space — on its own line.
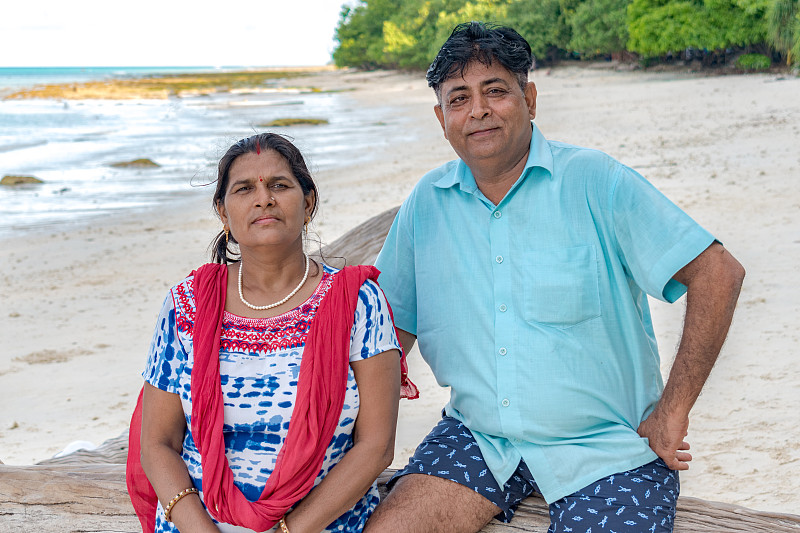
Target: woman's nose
(264,196)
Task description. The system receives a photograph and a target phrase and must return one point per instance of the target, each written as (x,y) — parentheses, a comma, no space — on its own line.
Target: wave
(20,146)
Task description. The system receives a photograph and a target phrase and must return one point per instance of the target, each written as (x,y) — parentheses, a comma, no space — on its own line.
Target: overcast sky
(44,33)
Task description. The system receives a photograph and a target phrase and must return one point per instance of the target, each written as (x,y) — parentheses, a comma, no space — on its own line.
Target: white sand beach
(79,303)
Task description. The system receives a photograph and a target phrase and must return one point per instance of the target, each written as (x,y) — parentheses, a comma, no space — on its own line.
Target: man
(522,269)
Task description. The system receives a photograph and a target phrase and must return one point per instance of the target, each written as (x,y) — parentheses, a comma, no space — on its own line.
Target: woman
(265,371)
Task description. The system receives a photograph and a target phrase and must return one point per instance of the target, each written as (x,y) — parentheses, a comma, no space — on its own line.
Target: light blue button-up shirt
(534,311)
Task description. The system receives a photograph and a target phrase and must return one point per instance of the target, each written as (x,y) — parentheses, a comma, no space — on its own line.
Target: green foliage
(783,28)
(544,24)
(410,37)
(408,33)
(795,52)
(753,62)
(660,26)
(360,34)
(599,27)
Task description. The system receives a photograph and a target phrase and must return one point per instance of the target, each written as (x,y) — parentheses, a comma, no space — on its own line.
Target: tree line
(408,33)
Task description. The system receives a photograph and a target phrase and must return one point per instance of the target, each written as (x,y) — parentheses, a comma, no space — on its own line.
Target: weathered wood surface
(360,245)
(85,491)
(65,499)
(112,451)
(73,498)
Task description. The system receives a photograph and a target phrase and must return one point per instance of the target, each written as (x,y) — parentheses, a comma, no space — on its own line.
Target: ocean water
(70,145)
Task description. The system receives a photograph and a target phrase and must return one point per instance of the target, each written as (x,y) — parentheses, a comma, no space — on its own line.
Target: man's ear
(530,98)
(440,115)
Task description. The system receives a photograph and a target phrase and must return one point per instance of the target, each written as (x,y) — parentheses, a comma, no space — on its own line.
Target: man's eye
(458,100)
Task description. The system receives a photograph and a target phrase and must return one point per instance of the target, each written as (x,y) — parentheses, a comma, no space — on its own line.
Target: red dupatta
(321,389)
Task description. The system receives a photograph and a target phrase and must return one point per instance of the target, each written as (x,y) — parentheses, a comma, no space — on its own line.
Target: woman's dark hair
(482,42)
(220,251)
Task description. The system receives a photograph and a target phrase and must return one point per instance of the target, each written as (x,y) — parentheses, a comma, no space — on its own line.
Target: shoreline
(724,148)
(203,81)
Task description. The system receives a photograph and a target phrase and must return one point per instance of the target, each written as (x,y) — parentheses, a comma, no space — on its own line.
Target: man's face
(486,116)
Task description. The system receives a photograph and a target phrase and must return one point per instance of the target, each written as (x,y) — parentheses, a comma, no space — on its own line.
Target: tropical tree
(360,33)
(783,28)
(599,27)
(544,24)
(657,27)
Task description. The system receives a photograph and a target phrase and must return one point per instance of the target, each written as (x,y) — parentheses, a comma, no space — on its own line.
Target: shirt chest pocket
(560,286)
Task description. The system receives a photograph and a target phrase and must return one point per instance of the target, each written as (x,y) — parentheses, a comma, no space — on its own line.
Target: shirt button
(497,214)
(499,258)
(505,402)
(502,351)
(503,308)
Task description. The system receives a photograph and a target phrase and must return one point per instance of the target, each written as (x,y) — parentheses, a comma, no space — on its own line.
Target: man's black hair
(482,42)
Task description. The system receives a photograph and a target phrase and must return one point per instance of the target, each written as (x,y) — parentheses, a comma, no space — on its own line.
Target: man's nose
(480,108)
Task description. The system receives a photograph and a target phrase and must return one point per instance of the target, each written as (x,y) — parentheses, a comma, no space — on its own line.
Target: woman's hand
(378,380)
(163,429)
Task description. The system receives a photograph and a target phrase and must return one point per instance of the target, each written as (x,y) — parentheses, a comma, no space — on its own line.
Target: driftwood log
(85,491)
(82,498)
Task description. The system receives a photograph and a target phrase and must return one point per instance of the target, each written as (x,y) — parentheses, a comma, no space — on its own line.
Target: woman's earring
(227,234)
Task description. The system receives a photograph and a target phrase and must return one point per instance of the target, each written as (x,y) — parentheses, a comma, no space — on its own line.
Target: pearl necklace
(276,304)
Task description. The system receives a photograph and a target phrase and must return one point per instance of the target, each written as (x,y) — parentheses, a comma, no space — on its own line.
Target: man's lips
(483,131)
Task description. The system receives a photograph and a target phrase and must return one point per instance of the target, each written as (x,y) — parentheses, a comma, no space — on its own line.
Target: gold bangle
(176,499)
(282,523)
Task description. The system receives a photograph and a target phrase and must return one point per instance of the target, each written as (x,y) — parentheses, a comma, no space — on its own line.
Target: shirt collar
(539,155)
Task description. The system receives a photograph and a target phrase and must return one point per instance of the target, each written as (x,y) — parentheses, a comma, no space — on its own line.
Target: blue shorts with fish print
(641,500)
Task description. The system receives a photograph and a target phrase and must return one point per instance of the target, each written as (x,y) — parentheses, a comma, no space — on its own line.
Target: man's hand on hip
(666,434)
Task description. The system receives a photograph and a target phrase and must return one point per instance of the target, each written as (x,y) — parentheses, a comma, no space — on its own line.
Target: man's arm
(713,280)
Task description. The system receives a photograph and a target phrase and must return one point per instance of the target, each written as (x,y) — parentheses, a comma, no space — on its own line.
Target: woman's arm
(163,428)
(378,380)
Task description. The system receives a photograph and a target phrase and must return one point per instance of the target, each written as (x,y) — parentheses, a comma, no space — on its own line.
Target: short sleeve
(396,264)
(167,357)
(373,329)
(656,238)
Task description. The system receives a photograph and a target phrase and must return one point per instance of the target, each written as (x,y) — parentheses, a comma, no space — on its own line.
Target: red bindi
(260,178)
(258,148)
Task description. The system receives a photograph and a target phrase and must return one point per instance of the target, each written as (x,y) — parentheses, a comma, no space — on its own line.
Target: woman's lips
(265,220)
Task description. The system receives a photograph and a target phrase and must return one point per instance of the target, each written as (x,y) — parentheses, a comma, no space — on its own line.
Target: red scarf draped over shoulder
(321,388)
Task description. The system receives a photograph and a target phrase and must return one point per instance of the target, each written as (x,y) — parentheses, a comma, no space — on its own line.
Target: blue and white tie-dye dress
(259,364)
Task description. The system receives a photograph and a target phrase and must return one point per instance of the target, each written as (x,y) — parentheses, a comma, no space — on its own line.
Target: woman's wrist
(174,501)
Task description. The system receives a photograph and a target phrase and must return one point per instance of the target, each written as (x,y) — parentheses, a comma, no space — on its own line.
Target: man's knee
(419,503)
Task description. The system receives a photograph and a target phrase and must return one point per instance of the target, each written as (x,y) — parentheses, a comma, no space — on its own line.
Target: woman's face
(264,203)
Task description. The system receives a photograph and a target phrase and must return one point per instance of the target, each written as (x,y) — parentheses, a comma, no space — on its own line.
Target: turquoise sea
(70,145)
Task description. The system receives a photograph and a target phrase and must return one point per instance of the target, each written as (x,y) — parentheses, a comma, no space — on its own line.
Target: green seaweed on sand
(136,163)
(158,87)
(286,122)
(11,180)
